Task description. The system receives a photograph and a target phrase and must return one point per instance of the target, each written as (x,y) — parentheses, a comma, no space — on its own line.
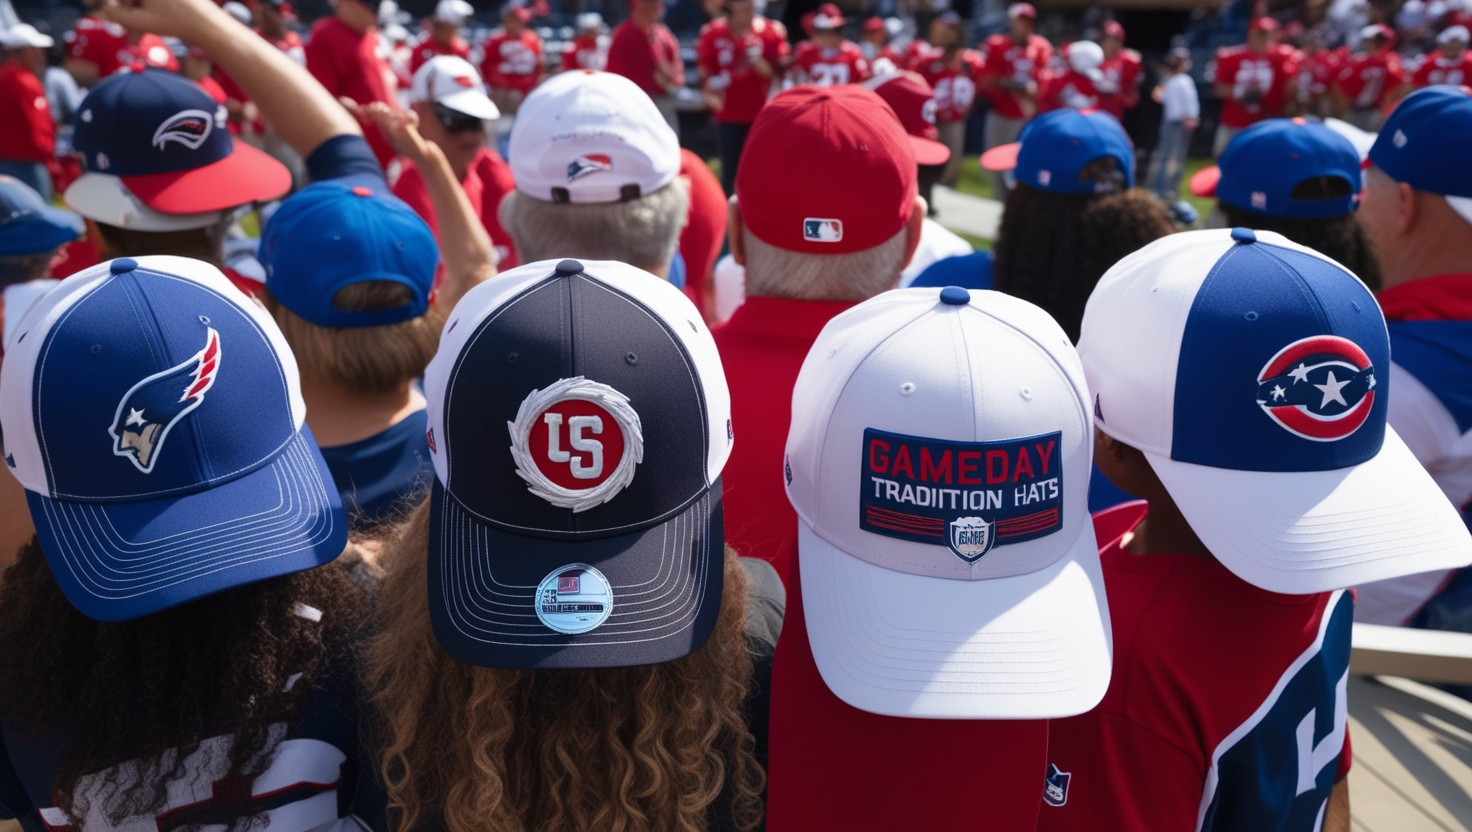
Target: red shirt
(1437,69)
(431,48)
(512,63)
(487,180)
(1226,701)
(1258,81)
(636,54)
(727,62)
(1368,79)
(1316,72)
(1006,60)
(587,52)
(1120,89)
(347,64)
(29,134)
(101,43)
(821,67)
(705,226)
(1069,89)
(954,82)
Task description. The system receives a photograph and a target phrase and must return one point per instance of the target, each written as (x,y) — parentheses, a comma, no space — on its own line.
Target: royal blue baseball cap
(1055,147)
(28,225)
(1265,162)
(330,235)
(154,415)
(166,139)
(1424,144)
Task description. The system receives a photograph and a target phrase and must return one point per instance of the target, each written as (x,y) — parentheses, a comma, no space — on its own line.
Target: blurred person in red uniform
(877,41)
(704,233)
(1317,67)
(1014,65)
(513,59)
(342,54)
(1079,85)
(1451,63)
(738,56)
(444,33)
(28,138)
(952,71)
(1122,69)
(645,51)
(97,48)
(829,58)
(1255,80)
(1371,81)
(590,46)
(273,20)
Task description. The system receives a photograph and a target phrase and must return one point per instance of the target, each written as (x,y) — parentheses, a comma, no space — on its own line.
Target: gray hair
(642,232)
(773,272)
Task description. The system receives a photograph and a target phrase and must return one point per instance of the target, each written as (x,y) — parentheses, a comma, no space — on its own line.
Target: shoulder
(998,41)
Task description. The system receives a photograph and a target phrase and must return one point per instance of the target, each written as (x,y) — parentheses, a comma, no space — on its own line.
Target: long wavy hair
(631,749)
(133,690)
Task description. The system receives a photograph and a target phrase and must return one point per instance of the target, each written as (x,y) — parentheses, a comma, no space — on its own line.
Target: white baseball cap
(1253,374)
(1085,56)
(1451,33)
(453,82)
(454,12)
(939,463)
(586,136)
(24,34)
(103,198)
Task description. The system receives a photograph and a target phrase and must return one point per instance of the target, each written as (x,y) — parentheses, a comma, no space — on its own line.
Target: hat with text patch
(1253,373)
(579,421)
(587,136)
(1054,149)
(1265,163)
(939,462)
(154,415)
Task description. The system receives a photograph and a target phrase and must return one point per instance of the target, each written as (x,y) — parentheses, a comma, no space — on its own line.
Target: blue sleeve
(14,802)
(349,159)
(969,271)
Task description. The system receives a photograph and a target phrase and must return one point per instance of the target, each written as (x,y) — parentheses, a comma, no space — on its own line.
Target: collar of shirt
(1445,297)
(784,318)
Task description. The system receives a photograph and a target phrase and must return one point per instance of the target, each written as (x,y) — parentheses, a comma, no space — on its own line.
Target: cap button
(955,296)
(362,191)
(568,268)
(123,265)
(1244,235)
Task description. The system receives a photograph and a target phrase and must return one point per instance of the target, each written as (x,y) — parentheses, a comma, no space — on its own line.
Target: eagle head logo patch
(151,408)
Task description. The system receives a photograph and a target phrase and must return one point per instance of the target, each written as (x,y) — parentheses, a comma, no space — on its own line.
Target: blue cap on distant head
(1425,139)
(28,225)
(1265,162)
(1055,147)
(330,235)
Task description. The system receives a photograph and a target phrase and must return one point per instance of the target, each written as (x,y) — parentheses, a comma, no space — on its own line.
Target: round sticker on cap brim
(574,599)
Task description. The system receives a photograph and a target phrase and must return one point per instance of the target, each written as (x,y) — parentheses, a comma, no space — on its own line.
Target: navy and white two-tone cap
(154,415)
(579,421)
(1253,373)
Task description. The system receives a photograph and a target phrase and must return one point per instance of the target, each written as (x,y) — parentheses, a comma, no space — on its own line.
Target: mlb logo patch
(588,165)
(1259,200)
(822,230)
(1399,139)
(1045,177)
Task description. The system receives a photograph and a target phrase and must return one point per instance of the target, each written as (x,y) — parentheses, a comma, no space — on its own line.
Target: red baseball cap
(874,24)
(828,17)
(1017,10)
(913,102)
(1263,24)
(826,171)
(1112,29)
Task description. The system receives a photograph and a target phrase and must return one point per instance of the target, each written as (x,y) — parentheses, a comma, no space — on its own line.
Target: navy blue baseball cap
(28,225)
(166,139)
(1424,144)
(1055,147)
(154,415)
(330,235)
(1265,162)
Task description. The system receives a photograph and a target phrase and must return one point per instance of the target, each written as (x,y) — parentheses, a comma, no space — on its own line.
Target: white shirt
(1179,98)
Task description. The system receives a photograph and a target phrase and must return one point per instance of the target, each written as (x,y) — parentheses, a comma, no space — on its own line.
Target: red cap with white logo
(913,101)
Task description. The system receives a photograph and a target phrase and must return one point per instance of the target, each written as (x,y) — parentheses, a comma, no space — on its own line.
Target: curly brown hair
(487,750)
(132,690)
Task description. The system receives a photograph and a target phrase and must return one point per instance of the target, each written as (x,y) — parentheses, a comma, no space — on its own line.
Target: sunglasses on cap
(455,121)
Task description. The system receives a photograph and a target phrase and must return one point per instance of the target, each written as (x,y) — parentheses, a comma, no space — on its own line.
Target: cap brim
(471,103)
(119,561)
(47,229)
(1001,157)
(105,199)
(247,175)
(1314,531)
(929,151)
(666,584)
(1032,646)
(1203,182)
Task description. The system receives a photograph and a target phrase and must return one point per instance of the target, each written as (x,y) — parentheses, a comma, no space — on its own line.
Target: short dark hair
(23,267)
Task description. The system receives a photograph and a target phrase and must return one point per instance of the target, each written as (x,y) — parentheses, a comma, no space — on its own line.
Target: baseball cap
(909,95)
(874,24)
(1253,373)
(828,17)
(1377,30)
(1424,141)
(1085,57)
(949,566)
(518,11)
(1451,33)
(1265,162)
(28,225)
(1055,147)
(587,136)
(1017,10)
(587,533)
(1263,24)
(103,371)
(826,171)
(165,140)
(24,34)
(1113,29)
(453,82)
(328,236)
(588,21)
(1177,57)
(454,12)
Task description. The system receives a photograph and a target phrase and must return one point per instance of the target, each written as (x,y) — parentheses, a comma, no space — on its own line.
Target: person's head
(826,206)
(646,12)
(1417,204)
(1023,19)
(514,18)
(359,15)
(349,279)
(1177,60)
(597,174)
(1073,213)
(1453,42)
(1085,57)
(1376,37)
(828,26)
(27,46)
(875,32)
(30,232)
(272,17)
(161,174)
(194,63)
(591,23)
(946,31)
(1261,33)
(913,102)
(450,99)
(1300,179)
(1111,38)
(449,17)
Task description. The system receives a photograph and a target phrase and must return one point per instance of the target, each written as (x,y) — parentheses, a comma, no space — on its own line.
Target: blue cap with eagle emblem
(154,415)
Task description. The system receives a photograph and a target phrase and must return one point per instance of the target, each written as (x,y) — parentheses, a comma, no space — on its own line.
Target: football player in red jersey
(952,72)
(1014,66)
(1122,70)
(1255,80)
(444,33)
(1080,85)
(829,58)
(342,54)
(590,47)
(1450,64)
(738,56)
(1371,81)
(97,48)
(1317,67)
(513,60)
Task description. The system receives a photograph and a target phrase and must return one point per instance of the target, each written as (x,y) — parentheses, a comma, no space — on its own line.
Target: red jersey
(1316,72)
(487,180)
(726,62)
(1120,88)
(29,134)
(347,63)
(821,67)
(291,44)
(1438,69)
(1258,83)
(1369,79)
(431,48)
(106,45)
(643,56)
(512,63)
(705,226)
(1006,61)
(1226,708)
(954,82)
(587,52)
(1069,89)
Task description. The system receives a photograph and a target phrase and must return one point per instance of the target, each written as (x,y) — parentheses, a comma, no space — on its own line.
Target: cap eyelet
(632,359)
(204,319)
(1026,393)
(907,388)
(1251,316)
(511,358)
(96,348)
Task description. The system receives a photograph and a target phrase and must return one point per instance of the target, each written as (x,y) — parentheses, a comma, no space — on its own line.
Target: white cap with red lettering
(939,460)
